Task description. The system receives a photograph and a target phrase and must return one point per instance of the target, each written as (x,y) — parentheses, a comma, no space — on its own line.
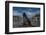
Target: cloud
(28,13)
(31,14)
(15,13)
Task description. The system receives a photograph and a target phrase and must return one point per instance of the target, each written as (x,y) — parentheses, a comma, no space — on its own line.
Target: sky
(18,11)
